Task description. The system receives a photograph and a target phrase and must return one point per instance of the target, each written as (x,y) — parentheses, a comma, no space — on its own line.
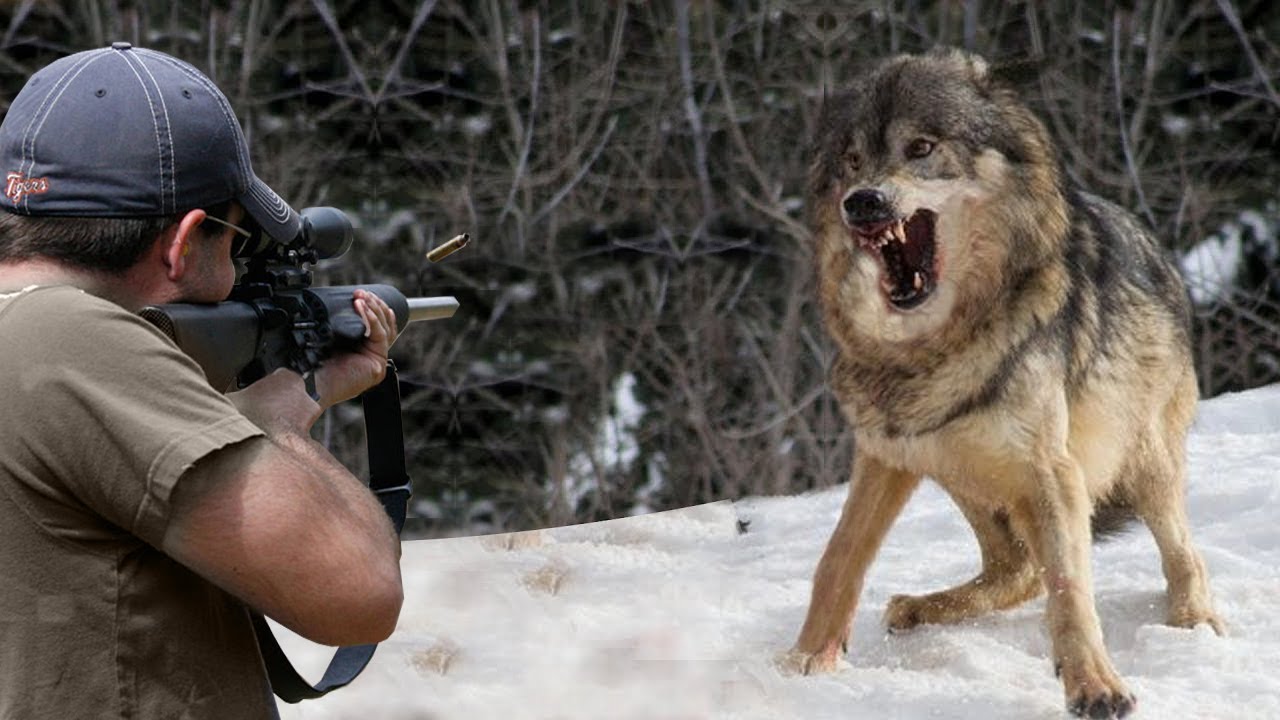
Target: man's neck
(43,271)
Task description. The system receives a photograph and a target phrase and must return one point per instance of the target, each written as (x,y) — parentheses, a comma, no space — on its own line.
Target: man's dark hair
(110,245)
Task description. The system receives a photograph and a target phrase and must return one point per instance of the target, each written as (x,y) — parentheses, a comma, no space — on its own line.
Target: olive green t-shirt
(100,416)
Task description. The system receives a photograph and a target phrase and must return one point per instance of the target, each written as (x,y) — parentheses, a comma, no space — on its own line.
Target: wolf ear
(973,63)
(978,66)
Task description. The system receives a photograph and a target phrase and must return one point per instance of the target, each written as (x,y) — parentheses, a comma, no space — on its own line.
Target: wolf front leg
(877,493)
(1055,521)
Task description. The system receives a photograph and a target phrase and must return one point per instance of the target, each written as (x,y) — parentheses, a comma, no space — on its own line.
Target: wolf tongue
(918,242)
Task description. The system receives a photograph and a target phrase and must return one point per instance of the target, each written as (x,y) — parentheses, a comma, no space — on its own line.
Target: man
(141,512)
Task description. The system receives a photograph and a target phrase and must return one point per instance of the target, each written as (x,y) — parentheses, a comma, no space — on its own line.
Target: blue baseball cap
(129,132)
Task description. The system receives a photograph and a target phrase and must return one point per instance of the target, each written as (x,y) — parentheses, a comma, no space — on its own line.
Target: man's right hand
(278,403)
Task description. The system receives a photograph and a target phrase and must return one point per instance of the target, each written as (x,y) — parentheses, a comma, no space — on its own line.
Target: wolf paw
(905,612)
(1103,706)
(1189,617)
(1093,690)
(799,662)
(902,613)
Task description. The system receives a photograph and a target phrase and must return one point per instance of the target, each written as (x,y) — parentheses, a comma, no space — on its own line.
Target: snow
(1212,266)
(679,615)
(615,446)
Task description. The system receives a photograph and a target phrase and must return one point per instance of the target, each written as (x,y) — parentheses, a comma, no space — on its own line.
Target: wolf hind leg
(1007,579)
(1158,496)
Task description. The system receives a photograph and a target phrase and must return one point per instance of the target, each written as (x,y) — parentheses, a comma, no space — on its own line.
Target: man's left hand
(345,376)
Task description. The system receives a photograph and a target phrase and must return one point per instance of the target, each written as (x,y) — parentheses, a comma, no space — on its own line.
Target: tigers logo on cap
(17,185)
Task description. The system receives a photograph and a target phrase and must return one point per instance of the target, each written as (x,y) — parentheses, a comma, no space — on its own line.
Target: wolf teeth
(917,281)
(893,233)
(887,236)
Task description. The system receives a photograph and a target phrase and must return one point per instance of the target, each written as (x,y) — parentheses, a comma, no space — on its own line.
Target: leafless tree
(633,175)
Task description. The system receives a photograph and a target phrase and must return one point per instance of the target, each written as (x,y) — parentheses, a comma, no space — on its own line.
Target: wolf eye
(852,163)
(919,148)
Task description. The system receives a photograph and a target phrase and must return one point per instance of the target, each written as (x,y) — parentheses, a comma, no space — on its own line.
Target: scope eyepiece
(326,231)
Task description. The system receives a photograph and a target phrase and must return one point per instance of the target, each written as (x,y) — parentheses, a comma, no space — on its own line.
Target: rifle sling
(389,482)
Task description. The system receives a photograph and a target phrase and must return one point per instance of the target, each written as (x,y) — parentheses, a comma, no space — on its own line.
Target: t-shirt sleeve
(116,413)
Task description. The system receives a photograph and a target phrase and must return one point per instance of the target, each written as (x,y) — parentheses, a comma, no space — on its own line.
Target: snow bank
(678,615)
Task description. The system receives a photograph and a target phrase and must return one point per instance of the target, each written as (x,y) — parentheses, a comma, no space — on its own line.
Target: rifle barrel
(432,308)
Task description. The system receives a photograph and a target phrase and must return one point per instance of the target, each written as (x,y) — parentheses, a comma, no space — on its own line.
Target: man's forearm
(280,406)
(353,495)
(320,554)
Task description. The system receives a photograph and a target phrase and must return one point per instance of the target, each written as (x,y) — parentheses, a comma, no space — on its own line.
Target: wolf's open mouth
(906,248)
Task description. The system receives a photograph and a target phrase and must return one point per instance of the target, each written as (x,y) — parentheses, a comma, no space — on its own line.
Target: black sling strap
(389,481)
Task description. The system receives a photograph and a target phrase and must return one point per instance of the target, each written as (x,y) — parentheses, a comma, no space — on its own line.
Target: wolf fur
(1034,362)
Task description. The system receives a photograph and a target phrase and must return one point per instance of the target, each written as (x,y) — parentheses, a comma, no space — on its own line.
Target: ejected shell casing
(449,248)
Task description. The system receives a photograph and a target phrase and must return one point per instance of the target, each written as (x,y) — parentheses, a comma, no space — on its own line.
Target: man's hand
(279,403)
(345,376)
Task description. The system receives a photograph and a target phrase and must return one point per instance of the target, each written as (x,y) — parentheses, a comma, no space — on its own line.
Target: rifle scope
(326,232)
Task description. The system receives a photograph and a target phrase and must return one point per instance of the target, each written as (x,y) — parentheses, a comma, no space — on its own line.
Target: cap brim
(271,212)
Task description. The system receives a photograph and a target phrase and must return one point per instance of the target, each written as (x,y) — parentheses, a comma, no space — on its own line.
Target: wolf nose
(867,206)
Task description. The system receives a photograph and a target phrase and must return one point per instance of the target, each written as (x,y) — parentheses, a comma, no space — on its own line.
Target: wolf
(1021,342)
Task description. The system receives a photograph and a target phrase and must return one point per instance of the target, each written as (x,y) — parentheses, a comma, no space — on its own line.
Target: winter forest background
(637,330)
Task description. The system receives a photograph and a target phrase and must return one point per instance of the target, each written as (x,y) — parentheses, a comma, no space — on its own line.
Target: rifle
(275,319)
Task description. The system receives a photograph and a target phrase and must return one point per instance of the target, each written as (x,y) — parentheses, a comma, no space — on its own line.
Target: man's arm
(282,525)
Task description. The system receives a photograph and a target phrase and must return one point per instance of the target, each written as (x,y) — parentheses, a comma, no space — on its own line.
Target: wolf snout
(867,210)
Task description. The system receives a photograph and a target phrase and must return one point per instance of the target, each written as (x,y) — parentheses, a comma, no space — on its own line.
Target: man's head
(106,149)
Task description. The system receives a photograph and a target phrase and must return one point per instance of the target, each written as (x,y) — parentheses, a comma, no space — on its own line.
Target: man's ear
(177,242)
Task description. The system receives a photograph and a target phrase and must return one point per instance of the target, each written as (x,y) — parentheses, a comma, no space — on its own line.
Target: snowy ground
(678,616)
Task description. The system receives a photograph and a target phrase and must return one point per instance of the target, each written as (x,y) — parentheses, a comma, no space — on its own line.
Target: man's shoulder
(38,294)
(65,313)
(70,335)
(54,302)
